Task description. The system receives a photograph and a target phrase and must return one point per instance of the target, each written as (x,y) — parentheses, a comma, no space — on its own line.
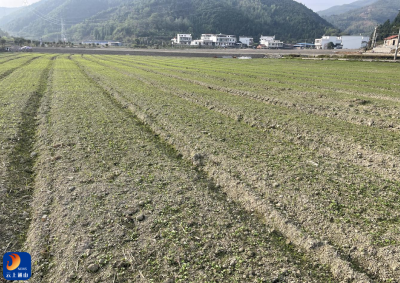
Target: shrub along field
(144,169)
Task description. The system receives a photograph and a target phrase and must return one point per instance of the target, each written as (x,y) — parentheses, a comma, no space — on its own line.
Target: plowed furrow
(121,205)
(182,137)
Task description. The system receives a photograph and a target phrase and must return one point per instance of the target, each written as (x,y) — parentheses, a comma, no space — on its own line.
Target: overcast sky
(15,3)
(316,5)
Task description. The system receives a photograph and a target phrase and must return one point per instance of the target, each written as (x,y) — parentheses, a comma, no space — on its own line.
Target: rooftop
(391,37)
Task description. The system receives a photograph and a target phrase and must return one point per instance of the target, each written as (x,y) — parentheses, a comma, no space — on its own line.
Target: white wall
(354,42)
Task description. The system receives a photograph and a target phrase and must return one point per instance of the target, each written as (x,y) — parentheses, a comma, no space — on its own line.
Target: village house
(391,41)
(322,43)
(269,42)
(182,39)
(218,40)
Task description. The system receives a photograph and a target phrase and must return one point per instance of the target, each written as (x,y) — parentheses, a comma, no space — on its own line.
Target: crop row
(377,76)
(359,105)
(115,203)
(348,206)
(267,116)
(354,133)
(20,93)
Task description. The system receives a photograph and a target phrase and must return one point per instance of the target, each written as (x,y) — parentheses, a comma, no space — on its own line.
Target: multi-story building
(344,42)
(219,40)
(270,42)
(182,39)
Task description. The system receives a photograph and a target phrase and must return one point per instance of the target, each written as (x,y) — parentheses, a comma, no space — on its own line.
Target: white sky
(15,3)
(316,5)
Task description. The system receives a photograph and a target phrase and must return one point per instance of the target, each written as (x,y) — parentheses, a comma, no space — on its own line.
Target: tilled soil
(317,203)
(137,170)
(114,203)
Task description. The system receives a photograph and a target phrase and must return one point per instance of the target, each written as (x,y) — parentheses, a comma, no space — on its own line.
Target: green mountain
(364,20)
(46,18)
(156,20)
(341,9)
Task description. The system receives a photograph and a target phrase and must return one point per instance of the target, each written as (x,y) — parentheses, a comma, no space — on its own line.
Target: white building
(270,42)
(345,41)
(219,40)
(246,40)
(197,42)
(322,43)
(354,41)
(184,39)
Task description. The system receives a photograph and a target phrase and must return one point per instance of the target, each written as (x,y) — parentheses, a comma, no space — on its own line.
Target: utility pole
(374,38)
(397,46)
(63,37)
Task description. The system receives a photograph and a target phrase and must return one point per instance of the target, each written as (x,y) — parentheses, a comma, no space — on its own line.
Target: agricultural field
(167,169)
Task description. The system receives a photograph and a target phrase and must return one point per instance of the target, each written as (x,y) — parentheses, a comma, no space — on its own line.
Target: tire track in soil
(19,180)
(341,266)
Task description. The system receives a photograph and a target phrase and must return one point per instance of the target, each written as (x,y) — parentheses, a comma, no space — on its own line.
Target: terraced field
(144,169)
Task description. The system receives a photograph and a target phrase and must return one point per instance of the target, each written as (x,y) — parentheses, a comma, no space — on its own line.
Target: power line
(52,21)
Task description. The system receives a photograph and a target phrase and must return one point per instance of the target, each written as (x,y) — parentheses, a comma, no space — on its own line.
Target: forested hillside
(388,28)
(45,18)
(341,9)
(365,19)
(161,19)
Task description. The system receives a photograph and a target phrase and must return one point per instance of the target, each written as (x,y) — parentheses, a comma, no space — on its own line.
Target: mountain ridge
(287,19)
(364,20)
(341,9)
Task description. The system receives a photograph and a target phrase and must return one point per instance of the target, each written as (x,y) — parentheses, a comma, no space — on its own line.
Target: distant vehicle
(26,49)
